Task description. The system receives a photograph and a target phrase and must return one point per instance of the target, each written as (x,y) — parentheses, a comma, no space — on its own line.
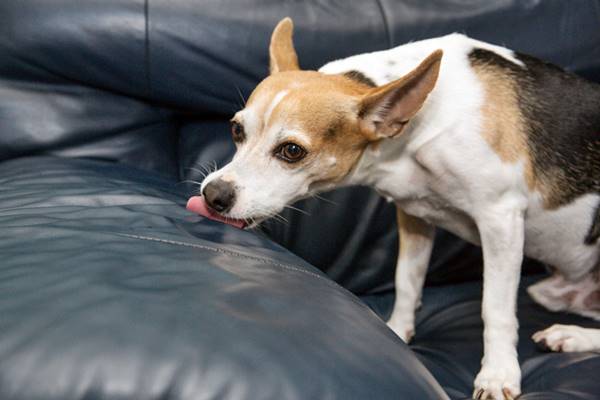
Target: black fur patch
(562,113)
(360,78)
(594,232)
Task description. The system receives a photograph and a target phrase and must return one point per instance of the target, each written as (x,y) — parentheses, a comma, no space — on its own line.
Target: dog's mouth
(196,204)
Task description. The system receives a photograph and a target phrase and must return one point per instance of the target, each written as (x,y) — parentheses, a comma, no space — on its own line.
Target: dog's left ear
(385,110)
(281,50)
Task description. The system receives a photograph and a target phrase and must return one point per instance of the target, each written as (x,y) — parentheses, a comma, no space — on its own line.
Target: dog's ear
(385,110)
(281,50)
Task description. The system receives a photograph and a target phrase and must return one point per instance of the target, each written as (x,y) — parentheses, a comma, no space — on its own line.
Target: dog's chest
(424,189)
(438,213)
(446,198)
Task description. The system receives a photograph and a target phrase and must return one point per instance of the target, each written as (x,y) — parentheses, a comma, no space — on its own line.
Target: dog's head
(302,132)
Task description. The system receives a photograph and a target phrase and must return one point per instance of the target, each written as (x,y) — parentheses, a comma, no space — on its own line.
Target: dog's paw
(498,382)
(405,330)
(565,338)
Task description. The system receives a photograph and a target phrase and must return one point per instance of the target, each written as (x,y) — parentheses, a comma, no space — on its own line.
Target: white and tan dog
(497,147)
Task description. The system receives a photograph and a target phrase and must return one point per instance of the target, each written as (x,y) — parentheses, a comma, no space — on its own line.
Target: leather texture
(109,289)
(449,341)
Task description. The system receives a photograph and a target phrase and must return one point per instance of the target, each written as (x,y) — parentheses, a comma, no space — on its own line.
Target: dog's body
(496,147)
(471,146)
(449,150)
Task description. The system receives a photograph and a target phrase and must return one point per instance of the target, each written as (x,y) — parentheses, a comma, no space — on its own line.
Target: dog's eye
(237,132)
(290,152)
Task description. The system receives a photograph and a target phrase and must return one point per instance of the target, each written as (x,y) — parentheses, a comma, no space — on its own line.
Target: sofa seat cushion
(449,342)
(110,289)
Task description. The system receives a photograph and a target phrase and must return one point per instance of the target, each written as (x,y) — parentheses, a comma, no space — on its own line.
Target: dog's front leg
(501,229)
(416,242)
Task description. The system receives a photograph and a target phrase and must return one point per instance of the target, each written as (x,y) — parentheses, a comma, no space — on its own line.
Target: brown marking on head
(503,122)
(323,108)
(360,78)
(338,116)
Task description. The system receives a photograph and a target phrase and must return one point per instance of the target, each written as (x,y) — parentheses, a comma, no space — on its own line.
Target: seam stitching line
(227,252)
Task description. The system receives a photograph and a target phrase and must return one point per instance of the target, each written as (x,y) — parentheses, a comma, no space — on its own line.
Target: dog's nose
(219,195)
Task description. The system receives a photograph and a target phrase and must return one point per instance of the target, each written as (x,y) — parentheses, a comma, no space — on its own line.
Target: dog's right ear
(281,50)
(385,110)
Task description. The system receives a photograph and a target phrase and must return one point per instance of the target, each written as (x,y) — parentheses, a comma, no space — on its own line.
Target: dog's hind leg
(580,297)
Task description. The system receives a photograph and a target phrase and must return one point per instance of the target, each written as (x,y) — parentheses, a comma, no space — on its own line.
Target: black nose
(219,195)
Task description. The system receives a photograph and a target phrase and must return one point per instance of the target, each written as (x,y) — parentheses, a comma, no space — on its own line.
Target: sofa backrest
(152,83)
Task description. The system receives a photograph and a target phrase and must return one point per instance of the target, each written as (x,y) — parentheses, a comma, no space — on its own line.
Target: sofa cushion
(110,289)
(449,341)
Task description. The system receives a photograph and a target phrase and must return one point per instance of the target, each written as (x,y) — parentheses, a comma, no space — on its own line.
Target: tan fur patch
(323,107)
(503,122)
(412,232)
(504,128)
(281,49)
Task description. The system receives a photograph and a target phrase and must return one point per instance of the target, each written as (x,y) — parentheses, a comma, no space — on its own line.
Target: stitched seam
(386,27)
(229,253)
(147,48)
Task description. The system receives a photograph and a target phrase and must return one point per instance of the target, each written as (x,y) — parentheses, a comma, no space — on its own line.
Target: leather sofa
(110,289)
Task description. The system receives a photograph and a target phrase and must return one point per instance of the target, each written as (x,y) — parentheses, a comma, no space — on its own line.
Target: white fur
(411,269)
(276,100)
(569,338)
(443,171)
(263,184)
(558,293)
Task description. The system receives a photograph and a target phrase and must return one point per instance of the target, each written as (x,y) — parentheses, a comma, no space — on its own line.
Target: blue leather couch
(110,289)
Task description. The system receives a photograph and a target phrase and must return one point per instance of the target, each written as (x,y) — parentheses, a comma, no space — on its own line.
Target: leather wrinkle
(386,26)
(147,47)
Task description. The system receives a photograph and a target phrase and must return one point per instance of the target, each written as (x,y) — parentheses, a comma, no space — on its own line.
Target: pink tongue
(196,204)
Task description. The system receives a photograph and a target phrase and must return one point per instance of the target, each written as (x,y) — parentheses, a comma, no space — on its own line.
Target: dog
(497,147)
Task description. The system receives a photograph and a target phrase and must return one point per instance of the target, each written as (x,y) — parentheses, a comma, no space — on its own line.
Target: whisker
(281,218)
(316,196)
(241,96)
(204,174)
(190,181)
(204,168)
(298,209)
(272,216)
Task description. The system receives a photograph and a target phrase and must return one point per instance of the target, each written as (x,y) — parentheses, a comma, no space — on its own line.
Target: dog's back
(530,113)
(561,113)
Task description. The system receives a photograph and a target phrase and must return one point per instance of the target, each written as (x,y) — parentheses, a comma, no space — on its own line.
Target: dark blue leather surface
(449,341)
(110,289)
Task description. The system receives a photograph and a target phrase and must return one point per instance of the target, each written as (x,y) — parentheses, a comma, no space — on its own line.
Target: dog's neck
(373,168)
